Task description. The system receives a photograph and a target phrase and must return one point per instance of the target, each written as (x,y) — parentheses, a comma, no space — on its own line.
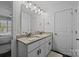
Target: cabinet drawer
(45,39)
(33,46)
(48,38)
(42,41)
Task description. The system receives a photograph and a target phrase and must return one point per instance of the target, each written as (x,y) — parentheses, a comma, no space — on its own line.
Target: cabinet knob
(49,43)
(37,52)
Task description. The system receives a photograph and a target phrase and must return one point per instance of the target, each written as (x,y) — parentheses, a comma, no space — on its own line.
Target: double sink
(31,36)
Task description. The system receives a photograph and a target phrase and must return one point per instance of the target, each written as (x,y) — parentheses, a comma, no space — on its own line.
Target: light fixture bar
(33,7)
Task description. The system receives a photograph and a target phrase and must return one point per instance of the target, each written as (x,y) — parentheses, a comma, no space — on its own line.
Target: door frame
(73,42)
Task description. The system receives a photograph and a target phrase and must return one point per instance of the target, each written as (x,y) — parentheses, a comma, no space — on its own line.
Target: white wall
(46,22)
(6,8)
(51,8)
(17,9)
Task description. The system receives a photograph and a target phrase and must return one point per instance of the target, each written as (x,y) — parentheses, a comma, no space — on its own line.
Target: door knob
(55,33)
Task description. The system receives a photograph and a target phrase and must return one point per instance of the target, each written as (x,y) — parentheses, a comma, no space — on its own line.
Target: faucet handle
(25,33)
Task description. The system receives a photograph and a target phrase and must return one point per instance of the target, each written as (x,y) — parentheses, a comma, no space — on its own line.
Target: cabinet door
(46,48)
(34,53)
(50,44)
(39,52)
(42,49)
(22,52)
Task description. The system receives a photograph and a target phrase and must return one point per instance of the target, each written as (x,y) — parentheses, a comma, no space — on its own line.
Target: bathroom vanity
(38,45)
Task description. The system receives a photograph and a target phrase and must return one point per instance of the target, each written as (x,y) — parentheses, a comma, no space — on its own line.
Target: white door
(77,38)
(63,32)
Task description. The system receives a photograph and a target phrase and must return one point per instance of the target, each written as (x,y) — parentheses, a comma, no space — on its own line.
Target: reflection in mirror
(24,20)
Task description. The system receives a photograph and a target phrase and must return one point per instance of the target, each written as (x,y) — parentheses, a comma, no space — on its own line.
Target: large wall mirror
(24,20)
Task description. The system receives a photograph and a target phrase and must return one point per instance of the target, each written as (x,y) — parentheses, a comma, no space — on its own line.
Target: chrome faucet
(28,34)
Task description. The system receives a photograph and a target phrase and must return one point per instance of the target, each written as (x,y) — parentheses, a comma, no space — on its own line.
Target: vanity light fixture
(26,4)
(34,8)
(29,5)
(39,10)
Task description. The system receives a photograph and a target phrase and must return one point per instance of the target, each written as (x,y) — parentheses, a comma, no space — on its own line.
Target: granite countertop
(36,37)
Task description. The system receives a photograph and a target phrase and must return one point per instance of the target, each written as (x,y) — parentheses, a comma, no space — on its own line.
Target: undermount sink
(39,35)
(32,38)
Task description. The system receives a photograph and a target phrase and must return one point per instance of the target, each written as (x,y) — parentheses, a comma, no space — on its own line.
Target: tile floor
(54,54)
(51,54)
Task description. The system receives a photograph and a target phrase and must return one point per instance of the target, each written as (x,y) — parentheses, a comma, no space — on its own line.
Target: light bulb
(36,11)
(39,12)
(33,7)
(30,4)
(27,6)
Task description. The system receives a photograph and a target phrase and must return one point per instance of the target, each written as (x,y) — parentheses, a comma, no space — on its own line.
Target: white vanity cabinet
(39,48)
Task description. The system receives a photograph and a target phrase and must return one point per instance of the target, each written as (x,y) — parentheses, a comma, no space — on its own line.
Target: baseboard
(7,54)
(64,55)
